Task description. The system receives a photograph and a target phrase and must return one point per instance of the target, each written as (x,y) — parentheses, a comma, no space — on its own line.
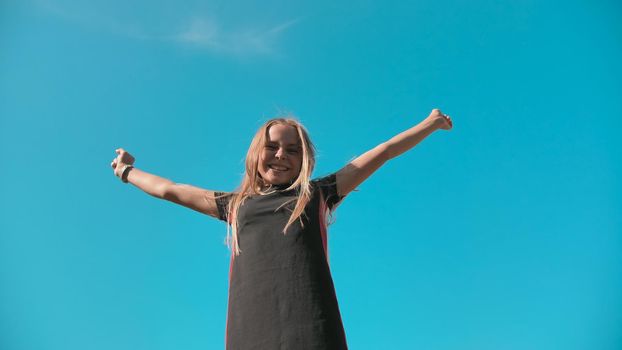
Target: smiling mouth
(277,168)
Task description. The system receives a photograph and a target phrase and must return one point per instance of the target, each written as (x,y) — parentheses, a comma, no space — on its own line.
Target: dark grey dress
(281,293)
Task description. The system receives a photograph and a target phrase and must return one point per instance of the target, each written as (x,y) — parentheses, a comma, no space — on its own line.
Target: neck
(267,187)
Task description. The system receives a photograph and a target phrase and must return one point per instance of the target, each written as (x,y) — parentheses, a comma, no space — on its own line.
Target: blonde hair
(252,183)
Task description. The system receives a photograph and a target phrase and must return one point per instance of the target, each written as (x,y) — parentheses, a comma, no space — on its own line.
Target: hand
(440,120)
(122,159)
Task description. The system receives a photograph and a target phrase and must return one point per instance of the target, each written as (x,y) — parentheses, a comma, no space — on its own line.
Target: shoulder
(327,188)
(324,181)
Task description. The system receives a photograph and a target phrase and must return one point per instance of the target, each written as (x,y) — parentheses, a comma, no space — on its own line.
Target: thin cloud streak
(199,32)
(208,34)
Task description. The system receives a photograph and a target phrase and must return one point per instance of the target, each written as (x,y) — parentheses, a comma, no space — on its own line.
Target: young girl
(281,293)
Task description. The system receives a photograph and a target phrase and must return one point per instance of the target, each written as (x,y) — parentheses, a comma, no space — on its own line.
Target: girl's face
(281,157)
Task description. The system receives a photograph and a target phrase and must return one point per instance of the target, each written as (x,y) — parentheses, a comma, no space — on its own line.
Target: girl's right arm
(192,197)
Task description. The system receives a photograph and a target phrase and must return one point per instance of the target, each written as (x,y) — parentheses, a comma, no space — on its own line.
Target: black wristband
(126,171)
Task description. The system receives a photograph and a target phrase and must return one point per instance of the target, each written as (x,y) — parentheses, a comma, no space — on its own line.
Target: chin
(279,181)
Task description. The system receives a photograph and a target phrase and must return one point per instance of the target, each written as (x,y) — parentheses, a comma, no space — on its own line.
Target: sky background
(503,233)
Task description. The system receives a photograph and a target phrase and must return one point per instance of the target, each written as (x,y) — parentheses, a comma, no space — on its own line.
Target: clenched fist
(122,159)
(441,120)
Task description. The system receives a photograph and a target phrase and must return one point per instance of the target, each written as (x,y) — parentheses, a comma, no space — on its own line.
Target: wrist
(125,171)
(432,123)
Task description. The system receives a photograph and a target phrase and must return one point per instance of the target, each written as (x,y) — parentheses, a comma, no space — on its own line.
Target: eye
(271,147)
(293,151)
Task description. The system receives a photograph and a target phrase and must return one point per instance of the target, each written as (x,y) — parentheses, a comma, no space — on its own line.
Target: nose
(280,153)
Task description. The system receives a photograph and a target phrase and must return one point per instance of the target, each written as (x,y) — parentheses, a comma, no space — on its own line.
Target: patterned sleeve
(222,204)
(328,188)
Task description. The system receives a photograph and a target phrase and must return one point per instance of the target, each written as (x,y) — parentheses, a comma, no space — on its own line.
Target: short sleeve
(222,204)
(327,186)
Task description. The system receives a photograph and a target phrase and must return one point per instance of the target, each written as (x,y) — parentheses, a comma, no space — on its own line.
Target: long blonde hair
(252,183)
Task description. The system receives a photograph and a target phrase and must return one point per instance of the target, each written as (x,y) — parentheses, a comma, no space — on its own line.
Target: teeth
(278,168)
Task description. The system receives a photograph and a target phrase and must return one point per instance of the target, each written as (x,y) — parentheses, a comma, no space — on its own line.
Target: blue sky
(503,233)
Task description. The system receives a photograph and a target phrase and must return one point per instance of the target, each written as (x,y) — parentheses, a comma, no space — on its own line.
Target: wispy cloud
(204,33)
(200,32)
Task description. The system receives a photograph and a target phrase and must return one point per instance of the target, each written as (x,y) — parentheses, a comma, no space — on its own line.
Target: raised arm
(358,170)
(192,197)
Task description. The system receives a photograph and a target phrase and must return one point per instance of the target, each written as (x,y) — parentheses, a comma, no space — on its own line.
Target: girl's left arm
(358,170)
